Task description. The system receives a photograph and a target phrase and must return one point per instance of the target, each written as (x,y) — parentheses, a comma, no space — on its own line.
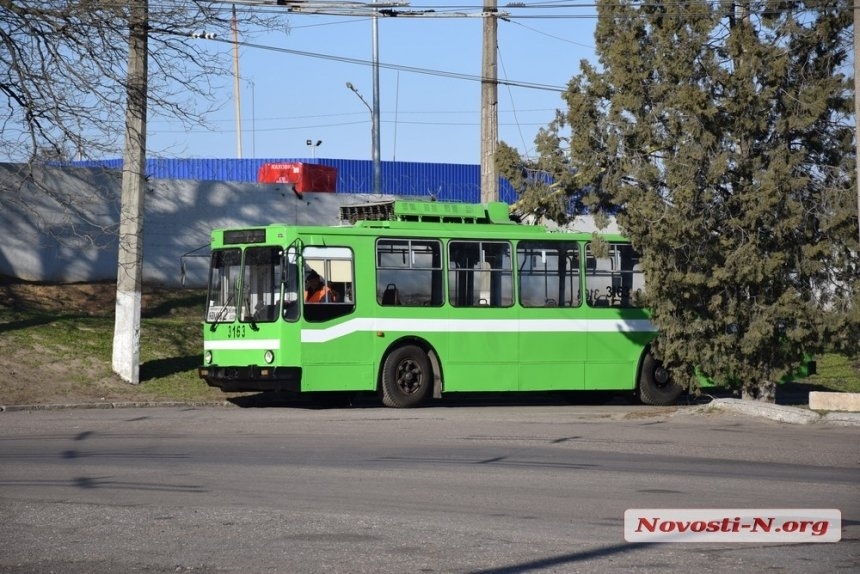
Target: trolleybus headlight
(269,356)
(207,357)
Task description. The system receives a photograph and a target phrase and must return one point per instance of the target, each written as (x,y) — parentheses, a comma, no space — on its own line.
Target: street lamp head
(309,142)
(360,97)
(318,142)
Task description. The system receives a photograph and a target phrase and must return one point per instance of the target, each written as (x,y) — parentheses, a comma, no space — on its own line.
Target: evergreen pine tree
(722,135)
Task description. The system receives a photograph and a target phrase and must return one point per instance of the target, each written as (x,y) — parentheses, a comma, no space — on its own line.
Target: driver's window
(329,282)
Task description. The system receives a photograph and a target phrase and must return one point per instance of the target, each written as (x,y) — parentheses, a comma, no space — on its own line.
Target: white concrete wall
(60,225)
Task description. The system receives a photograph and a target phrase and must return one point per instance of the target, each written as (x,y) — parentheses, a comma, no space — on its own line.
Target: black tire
(406,377)
(656,385)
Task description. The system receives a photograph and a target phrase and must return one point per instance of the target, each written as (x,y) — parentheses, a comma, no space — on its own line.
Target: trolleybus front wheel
(656,385)
(406,377)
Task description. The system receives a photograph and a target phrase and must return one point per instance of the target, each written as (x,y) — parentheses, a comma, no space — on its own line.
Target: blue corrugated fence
(445,181)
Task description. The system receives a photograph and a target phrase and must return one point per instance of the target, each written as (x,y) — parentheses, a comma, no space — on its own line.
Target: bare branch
(63,69)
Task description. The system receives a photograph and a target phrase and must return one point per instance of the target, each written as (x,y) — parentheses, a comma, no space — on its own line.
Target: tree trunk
(764,391)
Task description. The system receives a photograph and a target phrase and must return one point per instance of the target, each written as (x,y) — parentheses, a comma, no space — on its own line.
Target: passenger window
(480,274)
(614,277)
(409,273)
(548,273)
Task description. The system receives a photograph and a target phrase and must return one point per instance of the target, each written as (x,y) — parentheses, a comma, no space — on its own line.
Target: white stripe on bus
(370,324)
(478,325)
(242,345)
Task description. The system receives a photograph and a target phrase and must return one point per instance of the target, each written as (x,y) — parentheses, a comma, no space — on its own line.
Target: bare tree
(69,83)
(63,66)
(63,76)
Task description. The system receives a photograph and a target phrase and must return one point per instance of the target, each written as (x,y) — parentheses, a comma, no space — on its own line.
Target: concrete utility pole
(126,337)
(377,153)
(489,106)
(857,106)
(236,92)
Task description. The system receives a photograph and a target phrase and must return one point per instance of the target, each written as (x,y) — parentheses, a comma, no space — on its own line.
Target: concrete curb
(114,405)
(783,413)
(841,419)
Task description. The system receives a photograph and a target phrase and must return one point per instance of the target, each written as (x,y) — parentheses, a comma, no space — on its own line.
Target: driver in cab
(316,290)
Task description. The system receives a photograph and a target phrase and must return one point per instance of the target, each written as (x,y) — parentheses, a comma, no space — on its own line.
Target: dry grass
(56,345)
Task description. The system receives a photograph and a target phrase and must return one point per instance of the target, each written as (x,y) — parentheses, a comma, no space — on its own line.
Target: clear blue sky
(288,98)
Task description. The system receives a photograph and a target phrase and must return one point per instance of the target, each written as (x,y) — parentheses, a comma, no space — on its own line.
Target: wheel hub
(410,377)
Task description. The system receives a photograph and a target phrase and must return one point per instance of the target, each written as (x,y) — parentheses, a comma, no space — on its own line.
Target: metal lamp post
(313,145)
(377,165)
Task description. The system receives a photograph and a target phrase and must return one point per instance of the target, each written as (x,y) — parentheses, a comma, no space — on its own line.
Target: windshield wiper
(251,320)
(222,312)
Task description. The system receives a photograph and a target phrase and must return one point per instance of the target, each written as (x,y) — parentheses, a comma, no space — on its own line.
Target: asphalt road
(457,488)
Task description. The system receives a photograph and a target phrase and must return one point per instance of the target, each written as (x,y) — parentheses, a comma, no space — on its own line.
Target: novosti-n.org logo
(800,525)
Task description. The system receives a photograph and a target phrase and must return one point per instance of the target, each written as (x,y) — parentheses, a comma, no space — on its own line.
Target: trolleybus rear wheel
(406,377)
(656,385)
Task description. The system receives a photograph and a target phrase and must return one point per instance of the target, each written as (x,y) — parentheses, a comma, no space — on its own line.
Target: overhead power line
(401,67)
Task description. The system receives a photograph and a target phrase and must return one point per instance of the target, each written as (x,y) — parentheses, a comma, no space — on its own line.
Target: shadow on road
(788,394)
(573,557)
(330,400)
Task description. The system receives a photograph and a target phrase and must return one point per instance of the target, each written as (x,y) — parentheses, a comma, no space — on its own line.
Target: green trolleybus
(415,299)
